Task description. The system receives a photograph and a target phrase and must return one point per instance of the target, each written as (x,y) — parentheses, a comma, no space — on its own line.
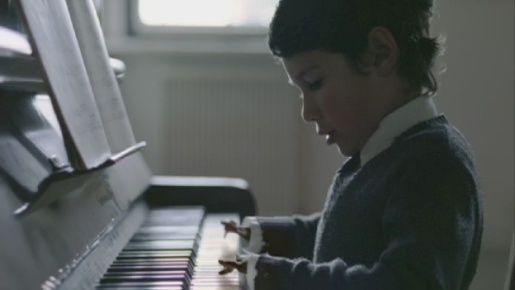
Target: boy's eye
(315,85)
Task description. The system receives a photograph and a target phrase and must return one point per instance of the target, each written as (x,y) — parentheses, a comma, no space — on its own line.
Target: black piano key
(154,262)
(156,266)
(155,254)
(149,265)
(123,273)
(153,268)
(143,285)
(187,274)
(149,288)
(131,277)
(129,259)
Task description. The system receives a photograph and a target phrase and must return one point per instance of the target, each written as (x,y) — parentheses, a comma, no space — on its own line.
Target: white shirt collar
(418,110)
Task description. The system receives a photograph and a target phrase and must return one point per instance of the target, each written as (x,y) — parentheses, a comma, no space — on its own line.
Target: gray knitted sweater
(410,218)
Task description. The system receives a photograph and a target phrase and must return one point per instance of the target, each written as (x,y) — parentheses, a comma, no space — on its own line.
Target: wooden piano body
(62,227)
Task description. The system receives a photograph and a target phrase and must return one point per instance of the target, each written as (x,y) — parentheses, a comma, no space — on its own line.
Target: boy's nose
(310,112)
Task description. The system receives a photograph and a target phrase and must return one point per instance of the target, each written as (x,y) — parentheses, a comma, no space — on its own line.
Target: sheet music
(103,82)
(52,32)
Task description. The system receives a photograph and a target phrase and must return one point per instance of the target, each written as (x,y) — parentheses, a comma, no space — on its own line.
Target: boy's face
(345,106)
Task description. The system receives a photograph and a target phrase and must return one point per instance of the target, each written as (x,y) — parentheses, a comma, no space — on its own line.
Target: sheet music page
(51,30)
(103,82)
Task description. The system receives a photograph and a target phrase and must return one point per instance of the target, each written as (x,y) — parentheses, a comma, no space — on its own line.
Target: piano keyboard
(175,249)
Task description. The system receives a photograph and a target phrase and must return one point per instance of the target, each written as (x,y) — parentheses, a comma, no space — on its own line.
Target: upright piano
(79,208)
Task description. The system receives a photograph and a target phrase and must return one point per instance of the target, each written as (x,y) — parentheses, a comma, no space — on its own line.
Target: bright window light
(206,13)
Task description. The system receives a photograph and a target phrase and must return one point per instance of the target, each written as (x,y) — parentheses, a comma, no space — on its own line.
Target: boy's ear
(383,52)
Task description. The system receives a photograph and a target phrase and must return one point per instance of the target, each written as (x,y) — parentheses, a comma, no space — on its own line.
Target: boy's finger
(225,270)
(228,223)
(229,226)
(228,267)
(244,232)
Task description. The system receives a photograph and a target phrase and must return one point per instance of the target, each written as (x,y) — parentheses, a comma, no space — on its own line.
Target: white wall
(476,94)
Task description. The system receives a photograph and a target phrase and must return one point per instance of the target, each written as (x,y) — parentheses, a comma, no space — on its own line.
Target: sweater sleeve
(429,224)
(289,237)
(255,244)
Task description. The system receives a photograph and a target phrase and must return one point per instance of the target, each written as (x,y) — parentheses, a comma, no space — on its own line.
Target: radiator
(235,128)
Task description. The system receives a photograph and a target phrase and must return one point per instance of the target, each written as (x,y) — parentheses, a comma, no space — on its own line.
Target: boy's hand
(229,266)
(231,227)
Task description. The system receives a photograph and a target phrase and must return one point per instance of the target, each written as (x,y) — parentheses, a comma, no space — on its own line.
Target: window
(244,17)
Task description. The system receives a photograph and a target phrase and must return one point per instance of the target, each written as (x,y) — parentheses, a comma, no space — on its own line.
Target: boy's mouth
(330,138)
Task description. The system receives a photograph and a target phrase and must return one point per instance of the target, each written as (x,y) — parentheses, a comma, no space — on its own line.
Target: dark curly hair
(342,26)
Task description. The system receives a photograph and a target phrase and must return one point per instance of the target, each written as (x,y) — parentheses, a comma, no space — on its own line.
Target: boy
(404,211)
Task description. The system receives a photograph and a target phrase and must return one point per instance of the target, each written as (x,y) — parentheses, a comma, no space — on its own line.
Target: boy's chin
(344,151)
